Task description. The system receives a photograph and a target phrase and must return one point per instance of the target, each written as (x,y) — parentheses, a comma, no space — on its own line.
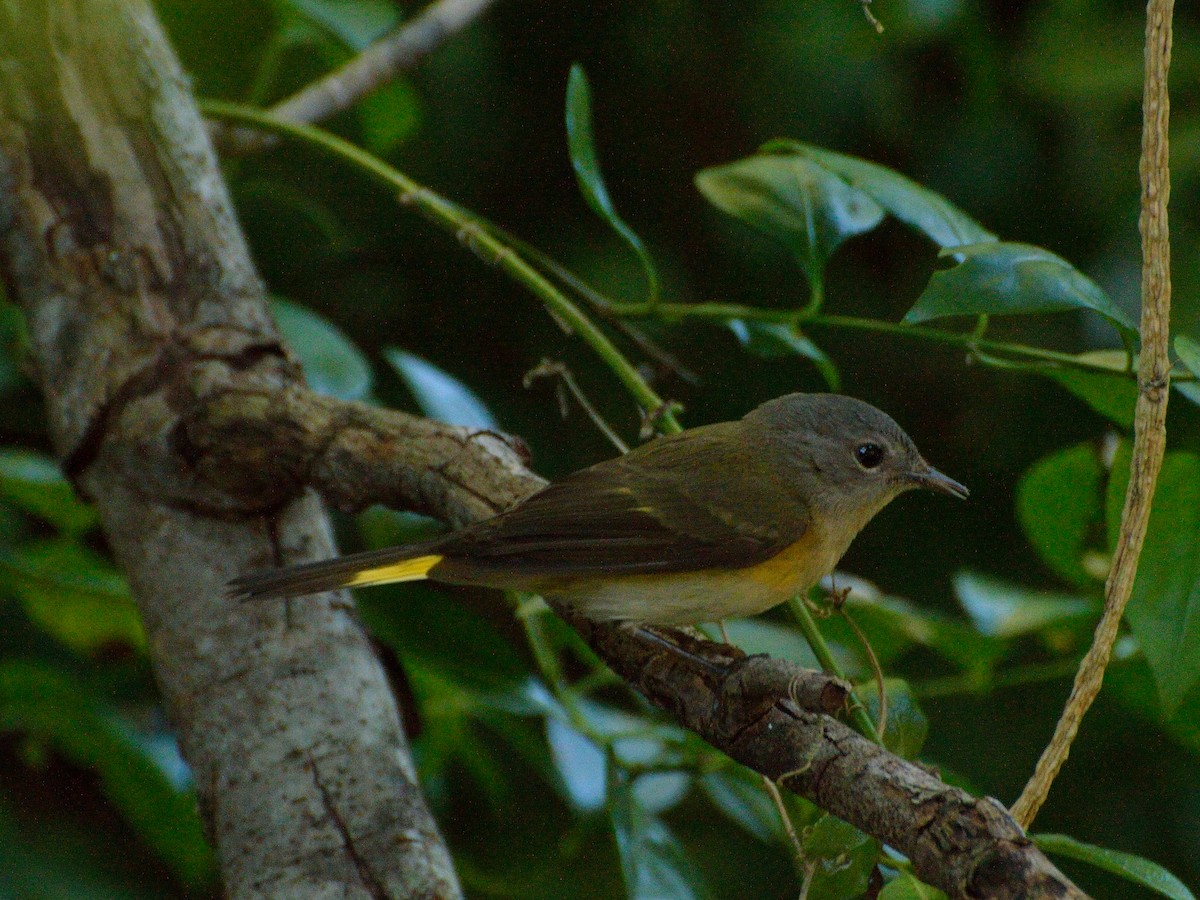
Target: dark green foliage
(549,779)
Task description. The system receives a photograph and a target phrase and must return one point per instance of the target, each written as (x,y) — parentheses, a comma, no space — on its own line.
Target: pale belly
(689,598)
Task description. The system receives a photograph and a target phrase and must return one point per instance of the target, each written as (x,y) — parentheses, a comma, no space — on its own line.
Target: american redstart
(719,521)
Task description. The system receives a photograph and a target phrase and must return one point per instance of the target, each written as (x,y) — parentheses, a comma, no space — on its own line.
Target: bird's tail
(407,563)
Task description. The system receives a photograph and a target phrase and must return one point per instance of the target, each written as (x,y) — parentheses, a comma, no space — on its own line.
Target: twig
(472,234)
(785,819)
(549,368)
(808,626)
(393,54)
(1150,422)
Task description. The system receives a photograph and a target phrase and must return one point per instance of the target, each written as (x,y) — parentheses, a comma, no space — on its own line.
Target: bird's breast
(708,595)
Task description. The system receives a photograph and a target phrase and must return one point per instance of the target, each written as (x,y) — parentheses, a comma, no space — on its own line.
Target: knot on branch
(264,445)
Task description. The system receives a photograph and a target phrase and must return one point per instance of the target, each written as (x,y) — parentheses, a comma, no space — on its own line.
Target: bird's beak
(933,480)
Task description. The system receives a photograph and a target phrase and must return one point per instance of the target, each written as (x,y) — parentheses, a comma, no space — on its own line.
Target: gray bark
(118,241)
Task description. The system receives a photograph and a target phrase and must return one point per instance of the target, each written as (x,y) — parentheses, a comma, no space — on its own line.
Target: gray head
(847,456)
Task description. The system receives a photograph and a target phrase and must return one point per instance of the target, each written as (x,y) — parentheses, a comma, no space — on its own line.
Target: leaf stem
(724,312)
(471,233)
(808,627)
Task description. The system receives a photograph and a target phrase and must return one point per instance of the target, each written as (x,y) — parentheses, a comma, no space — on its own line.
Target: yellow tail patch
(406,570)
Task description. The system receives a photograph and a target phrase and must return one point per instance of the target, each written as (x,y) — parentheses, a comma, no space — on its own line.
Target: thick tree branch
(767,714)
(1150,418)
(118,240)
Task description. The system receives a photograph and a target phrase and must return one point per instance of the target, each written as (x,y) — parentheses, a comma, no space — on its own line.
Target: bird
(719,521)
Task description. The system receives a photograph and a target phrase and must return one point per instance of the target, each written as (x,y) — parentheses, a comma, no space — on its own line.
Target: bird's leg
(646,633)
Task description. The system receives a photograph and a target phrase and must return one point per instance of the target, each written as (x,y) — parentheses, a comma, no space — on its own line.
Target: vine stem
(1150,422)
(724,312)
(808,627)
(472,234)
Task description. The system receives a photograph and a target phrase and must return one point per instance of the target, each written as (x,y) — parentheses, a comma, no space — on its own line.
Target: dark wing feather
(692,501)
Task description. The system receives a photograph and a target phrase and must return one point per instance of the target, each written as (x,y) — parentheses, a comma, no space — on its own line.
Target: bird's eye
(868,455)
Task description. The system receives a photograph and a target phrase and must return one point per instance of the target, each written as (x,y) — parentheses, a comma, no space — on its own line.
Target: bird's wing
(692,501)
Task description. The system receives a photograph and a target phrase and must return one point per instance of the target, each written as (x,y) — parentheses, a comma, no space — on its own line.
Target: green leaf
(427,631)
(999,278)
(1113,396)
(1189,355)
(794,200)
(906,887)
(775,639)
(581,145)
(38,701)
(902,620)
(73,594)
(844,856)
(439,394)
(389,116)
(772,340)
(918,207)
(654,863)
(1005,610)
(354,22)
(1058,504)
(14,345)
(331,362)
(740,795)
(1164,611)
(906,726)
(580,763)
(36,484)
(1133,868)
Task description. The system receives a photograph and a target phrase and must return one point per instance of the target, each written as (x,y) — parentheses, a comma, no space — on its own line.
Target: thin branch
(389,57)
(725,312)
(1150,423)
(473,235)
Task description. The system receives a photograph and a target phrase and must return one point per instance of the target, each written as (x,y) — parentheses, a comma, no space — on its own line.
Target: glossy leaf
(1136,869)
(36,484)
(772,638)
(580,763)
(73,594)
(1189,354)
(581,144)
(356,23)
(331,362)
(389,116)
(794,200)
(918,207)
(999,278)
(741,796)
(1164,611)
(1059,501)
(426,628)
(772,340)
(844,857)
(654,863)
(906,726)
(41,702)
(905,887)
(1006,610)
(901,620)
(439,394)
(1113,396)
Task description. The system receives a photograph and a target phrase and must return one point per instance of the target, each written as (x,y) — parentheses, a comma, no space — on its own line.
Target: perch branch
(765,713)
(1150,422)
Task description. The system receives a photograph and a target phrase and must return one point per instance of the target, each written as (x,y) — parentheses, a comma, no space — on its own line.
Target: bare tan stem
(1150,423)
(389,57)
